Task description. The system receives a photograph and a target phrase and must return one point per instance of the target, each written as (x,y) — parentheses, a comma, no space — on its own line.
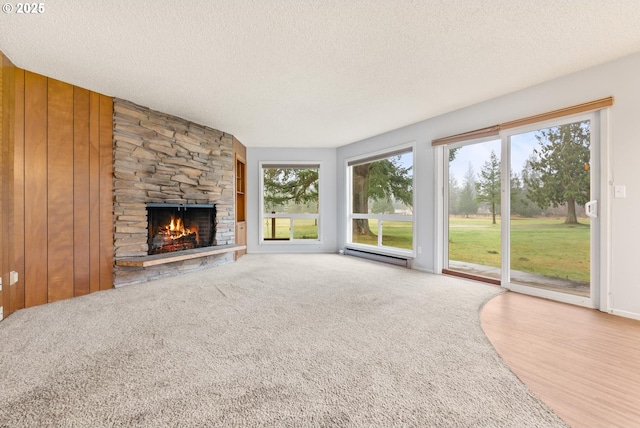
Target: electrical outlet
(619,192)
(419,250)
(13,278)
(1,313)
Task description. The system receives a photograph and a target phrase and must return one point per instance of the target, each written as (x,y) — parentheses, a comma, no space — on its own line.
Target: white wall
(327,197)
(618,78)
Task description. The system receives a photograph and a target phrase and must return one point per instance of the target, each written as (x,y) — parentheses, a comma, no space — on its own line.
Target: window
(381,201)
(290,202)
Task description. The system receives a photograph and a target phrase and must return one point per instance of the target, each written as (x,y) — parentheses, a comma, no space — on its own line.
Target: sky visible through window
(406,161)
(522,146)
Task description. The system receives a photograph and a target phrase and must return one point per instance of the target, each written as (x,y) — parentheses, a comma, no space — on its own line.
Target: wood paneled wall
(63,190)
(7,72)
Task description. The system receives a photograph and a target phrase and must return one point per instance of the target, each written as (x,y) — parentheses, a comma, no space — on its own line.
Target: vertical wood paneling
(81,227)
(18,194)
(9,110)
(60,190)
(35,194)
(61,180)
(5,162)
(94,192)
(106,192)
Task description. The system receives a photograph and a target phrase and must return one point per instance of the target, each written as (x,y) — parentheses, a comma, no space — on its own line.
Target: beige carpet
(272,340)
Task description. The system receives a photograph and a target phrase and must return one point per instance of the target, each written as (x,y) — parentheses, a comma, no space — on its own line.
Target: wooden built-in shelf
(161,259)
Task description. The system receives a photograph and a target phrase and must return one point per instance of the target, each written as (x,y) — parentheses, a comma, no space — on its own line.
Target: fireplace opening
(177,227)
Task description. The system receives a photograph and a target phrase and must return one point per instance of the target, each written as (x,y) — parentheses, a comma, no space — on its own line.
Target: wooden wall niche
(63,203)
(240,166)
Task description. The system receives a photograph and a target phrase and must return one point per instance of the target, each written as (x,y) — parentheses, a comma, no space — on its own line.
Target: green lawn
(544,246)
(303,228)
(397,234)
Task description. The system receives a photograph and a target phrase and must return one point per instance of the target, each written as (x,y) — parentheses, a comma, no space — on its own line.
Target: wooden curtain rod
(567,111)
(495,130)
(471,135)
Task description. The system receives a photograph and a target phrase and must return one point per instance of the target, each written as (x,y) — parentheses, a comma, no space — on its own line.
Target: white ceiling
(285,73)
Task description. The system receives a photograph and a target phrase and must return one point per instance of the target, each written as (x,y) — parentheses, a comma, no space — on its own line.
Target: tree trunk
(493,211)
(361,199)
(361,227)
(571,212)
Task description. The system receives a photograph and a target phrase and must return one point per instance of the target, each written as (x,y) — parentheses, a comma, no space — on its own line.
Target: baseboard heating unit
(386,258)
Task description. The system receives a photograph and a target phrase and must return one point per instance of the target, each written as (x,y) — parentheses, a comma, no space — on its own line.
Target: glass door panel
(474,235)
(550,232)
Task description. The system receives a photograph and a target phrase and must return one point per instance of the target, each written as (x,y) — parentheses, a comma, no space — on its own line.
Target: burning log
(174,237)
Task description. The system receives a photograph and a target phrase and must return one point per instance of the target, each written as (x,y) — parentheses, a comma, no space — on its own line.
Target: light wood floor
(584,364)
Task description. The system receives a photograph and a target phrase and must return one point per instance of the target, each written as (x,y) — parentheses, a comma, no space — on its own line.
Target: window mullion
(291,228)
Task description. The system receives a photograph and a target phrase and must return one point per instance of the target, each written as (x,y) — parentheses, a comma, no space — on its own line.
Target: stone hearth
(160,158)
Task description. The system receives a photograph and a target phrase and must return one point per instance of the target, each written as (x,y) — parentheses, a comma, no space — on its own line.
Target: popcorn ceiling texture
(162,158)
(282,73)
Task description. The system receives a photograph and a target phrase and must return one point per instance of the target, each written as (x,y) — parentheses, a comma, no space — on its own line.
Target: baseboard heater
(396,260)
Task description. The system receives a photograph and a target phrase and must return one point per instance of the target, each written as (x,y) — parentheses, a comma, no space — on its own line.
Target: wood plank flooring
(583,363)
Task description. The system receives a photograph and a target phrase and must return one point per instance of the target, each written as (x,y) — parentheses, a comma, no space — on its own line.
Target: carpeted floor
(271,340)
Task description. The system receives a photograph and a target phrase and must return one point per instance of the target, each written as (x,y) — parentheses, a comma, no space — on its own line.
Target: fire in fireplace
(178,227)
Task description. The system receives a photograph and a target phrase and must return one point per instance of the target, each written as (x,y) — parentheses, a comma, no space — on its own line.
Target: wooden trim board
(496,129)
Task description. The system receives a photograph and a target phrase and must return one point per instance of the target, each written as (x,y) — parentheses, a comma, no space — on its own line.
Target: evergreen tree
(454,194)
(380,180)
(382,206)
(453,153)
(467,203)
(520,204)
(488,185)
(286,186)
(561,168)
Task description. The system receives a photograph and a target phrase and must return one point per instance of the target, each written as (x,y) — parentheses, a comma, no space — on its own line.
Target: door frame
(595,172)
(443,262)
(601,190)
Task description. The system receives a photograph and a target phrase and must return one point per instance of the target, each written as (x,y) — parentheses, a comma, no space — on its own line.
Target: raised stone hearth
(164,159)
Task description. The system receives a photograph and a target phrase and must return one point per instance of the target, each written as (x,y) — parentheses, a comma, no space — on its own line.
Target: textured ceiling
(284,73)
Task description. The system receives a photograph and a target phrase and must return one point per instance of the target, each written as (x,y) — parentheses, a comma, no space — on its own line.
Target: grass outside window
(543,245)
(395,234)
(280,228)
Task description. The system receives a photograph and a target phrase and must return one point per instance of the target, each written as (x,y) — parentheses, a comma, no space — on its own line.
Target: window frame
(600,171)
(350,215)
(265,216)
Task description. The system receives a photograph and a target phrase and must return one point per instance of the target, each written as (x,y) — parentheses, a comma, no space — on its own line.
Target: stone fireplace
(177,169)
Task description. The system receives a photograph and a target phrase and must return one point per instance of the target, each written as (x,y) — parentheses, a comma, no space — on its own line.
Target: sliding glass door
(545,176)
(553,208)
(473,217)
